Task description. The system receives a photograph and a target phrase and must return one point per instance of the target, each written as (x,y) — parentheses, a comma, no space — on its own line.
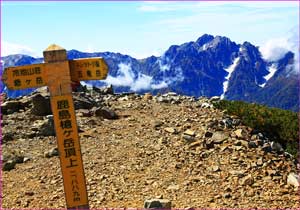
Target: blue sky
(141,29)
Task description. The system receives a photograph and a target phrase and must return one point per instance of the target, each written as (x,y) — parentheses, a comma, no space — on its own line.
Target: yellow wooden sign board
(69,146)
(58,73)
(88,69)
(22,77)
(36,75)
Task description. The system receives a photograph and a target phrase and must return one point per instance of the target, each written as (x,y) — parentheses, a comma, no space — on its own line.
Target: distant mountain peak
(209,66)
(205,38)
(250,52)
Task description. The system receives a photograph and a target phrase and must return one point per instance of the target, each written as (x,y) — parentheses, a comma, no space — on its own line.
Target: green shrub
(279,125)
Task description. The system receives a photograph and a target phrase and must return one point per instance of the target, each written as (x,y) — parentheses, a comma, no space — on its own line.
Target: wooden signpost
(58,73)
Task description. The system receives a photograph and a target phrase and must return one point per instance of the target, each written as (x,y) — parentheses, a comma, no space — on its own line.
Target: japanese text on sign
(25,76)
(68,143)
(88,69)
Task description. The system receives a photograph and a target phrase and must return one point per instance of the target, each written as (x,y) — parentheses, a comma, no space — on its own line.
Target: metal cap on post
(55,53)
(59,78)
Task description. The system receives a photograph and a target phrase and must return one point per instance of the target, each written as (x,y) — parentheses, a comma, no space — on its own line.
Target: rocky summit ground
(138,147)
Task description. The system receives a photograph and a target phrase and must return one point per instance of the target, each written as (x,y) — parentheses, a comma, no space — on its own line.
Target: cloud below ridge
(126,78)
(275,49)
(8,48)
(141,82)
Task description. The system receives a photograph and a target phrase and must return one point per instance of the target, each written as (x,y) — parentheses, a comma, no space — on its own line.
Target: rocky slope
(137,147)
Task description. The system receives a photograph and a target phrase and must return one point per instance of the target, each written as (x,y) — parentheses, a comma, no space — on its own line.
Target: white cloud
(8,48)
(240,21)
(163,63)
(179,75)
(143,82)
(159,6)
(126,78)
(267,4)
(275,49)
(294,40)
(160,85)
(211,6)
(158,52)
(151,8)
(165,67)
(171,79)
(24,3)
(90,49)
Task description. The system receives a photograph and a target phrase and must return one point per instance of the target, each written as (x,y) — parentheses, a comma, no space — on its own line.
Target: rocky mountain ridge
(209,66)
(138,147)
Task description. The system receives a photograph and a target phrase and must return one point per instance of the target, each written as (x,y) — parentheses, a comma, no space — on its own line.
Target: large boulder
(157,204)
(106,113)
(47,127)
(51,153)
(9,165)
(106,90)
(293,179)
(10,107)
(8,136)
(276,147)
(240,133)
(83,103)
(40,105)
(10,161)
(218,137)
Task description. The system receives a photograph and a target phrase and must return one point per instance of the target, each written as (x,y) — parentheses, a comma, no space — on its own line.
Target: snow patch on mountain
(168,79)
(271,69)
(204,47)
(242,49)
(163,63)
(230,69)
(244,52)
(163,67)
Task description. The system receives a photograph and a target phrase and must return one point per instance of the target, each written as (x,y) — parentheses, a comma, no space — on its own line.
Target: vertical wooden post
(58,73)
(59,83)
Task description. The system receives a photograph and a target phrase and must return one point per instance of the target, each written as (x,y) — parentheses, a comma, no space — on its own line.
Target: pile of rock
(138,147)
(173,98)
